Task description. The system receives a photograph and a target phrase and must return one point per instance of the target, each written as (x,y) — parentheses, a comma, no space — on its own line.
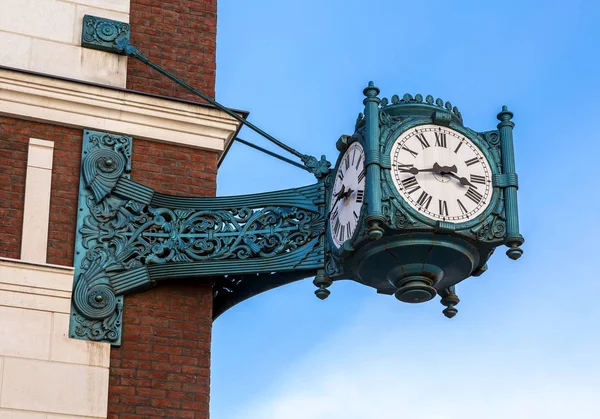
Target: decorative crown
(408,99)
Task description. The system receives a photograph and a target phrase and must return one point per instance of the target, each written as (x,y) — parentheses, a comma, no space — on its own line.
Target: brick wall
(14,140)
(178,35)
(162,370)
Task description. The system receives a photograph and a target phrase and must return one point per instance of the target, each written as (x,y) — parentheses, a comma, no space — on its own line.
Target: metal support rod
(272,154)
(135,53)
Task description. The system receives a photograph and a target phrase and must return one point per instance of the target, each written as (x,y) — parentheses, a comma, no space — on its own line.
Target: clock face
(348,195)
(441,173)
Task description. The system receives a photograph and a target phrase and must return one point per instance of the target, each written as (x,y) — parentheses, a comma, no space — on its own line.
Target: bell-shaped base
(414,267)
(415,289)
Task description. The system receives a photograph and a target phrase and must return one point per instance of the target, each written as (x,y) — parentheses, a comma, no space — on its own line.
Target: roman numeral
(355,215)
(336,226)
(472,161)
(443,207)
(341,235)
(404,167)
(358,162)
(463,210)
(348,229)
(424,200)
(458,147)
(347,161)
(473,195)
(422,140)
(410,151)
(353,156)
(360,194)
(361,176)
(334,214)
(440,139)
(411,182)
(478,179)
(341,175)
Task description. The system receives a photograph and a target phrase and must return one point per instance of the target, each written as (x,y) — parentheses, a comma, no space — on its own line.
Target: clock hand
(348,193)
(436,168)
(463,180)
(338,196)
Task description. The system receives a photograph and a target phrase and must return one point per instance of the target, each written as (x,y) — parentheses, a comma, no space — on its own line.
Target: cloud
(371,371)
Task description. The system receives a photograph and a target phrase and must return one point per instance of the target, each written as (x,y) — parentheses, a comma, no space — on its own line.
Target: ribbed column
(513,237)
(372,161)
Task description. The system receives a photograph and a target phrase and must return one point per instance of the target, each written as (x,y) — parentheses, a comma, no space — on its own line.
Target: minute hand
(436,168)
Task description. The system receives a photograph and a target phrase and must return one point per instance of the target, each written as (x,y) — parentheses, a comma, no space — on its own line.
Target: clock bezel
(399,130)
(356,234)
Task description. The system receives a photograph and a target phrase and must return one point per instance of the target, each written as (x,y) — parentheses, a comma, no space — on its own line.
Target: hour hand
(463,180)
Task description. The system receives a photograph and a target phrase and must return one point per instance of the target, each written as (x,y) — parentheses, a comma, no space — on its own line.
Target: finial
(322,281)
(371,90)
(505,114)
(450,300)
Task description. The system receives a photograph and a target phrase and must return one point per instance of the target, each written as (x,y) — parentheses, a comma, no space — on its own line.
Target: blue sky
(526,340)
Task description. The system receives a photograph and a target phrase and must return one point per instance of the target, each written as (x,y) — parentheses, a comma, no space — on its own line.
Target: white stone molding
(43,373)
(69,103)
(36,212)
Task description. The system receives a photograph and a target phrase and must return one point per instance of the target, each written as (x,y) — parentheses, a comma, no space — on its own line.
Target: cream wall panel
(36,213)
(46,19)
(19,52)
(25,333)
(34,302)
(19,414)
(73,350)
(45,36)
(116,5)
(78,63)
(56,278)
(54,387)
(41,153)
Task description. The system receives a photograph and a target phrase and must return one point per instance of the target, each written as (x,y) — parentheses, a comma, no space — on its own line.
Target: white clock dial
(441,173)
(348,195)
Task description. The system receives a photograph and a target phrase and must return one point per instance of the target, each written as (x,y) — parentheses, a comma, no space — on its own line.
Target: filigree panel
(128,240)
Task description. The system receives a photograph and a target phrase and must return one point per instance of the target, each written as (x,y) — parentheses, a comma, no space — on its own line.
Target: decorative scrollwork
(360,119)
(126,245)
(493,229)
(319,168)
(239,233)
(491,141)
(107,329)
(103,34)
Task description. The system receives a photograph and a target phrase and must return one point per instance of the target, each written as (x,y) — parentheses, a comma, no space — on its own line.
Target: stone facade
(51,89)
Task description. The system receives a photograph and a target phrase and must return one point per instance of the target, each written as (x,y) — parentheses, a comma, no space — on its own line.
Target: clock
(347,194)
(441,173)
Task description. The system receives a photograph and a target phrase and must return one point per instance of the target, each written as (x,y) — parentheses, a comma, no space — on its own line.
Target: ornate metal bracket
(130,237)
(104,34)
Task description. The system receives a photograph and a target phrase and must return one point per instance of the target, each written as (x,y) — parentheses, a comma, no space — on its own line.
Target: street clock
(416,203)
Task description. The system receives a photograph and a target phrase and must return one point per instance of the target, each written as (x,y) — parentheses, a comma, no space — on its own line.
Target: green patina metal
(130,238)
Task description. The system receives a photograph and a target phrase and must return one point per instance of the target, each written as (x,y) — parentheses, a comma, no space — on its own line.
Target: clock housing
(418,239)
